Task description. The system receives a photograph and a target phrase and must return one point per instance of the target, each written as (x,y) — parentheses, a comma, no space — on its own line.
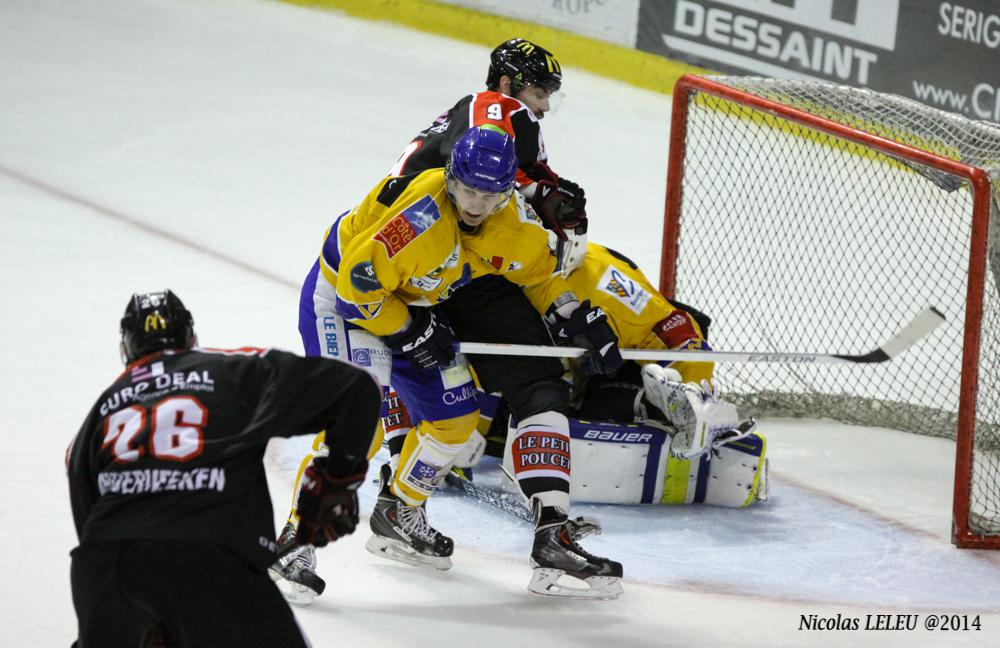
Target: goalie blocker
(615,463)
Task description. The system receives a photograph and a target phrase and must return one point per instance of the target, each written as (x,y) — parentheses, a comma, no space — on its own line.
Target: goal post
(806,215)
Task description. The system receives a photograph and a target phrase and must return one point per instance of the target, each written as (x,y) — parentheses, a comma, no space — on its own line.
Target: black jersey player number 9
(172,430)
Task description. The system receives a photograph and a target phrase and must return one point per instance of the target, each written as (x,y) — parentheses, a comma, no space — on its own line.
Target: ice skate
(401,532)
(295,570)
(556,554)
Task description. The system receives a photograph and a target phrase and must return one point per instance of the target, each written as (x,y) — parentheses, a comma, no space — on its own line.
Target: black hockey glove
(328,499)
(559,202)
(426,341)
(588,327)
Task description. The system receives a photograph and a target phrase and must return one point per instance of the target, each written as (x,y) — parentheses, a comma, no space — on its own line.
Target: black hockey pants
(176,593)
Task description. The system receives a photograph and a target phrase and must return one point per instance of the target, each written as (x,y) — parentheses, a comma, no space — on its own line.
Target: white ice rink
(204,146)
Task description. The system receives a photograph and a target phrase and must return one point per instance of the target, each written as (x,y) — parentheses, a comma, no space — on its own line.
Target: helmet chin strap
(468,229)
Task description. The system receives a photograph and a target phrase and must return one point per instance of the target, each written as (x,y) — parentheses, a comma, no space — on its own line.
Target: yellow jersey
(403,245)
(640,316)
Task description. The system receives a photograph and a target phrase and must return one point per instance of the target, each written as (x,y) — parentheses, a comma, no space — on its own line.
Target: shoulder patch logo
(676,330)
(408,225)
(625,290)
(363,277)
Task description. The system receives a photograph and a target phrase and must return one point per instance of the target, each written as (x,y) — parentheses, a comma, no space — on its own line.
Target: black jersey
(431,148)
(173,449)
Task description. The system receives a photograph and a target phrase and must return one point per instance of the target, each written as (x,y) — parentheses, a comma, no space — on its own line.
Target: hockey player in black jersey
(522,82)
(168,489)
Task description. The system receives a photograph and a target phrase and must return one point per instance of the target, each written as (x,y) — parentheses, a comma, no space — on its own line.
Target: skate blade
(294,593)
(545,582)
(402,552)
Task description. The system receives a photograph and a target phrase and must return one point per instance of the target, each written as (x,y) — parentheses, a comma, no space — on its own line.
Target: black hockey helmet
(153,322)
(526,64)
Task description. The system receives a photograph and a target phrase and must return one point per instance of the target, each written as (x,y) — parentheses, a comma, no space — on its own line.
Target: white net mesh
(793,239)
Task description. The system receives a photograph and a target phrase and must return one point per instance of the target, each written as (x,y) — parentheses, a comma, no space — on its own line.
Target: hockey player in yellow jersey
(650,432)
(639,315)
(379,295)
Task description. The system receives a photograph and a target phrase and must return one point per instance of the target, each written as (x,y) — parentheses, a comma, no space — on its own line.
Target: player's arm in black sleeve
(316,394)
(527,139)
(313,394)
(80,471)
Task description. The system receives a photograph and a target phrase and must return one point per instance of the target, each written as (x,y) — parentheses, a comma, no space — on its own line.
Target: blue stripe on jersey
(331,246)
(307,313)
(350,311)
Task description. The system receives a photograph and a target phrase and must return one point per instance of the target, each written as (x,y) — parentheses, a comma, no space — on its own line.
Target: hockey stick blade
(918,328)
(498,499)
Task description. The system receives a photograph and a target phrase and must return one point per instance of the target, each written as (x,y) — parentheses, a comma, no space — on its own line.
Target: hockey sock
(541,458)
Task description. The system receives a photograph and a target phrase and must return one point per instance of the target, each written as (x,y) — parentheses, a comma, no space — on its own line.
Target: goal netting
(805,216)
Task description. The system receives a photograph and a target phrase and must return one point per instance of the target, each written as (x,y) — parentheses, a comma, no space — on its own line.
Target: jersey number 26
(173,430)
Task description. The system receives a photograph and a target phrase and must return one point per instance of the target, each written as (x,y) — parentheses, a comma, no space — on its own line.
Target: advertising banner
(944,54)
(613,21)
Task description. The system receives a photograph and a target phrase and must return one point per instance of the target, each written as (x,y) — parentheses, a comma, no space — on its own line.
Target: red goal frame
(962,535)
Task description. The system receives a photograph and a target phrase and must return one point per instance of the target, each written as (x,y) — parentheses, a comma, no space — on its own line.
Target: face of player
(475,206)
(538,99)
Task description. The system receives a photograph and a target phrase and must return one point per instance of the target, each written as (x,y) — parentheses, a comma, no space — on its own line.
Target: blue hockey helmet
(154,322)
(484,159)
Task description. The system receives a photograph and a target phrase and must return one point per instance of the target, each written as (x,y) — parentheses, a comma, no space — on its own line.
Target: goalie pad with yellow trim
(616,463)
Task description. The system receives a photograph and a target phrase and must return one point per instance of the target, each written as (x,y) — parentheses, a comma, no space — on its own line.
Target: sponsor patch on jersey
(676,330)
(426,283)
(145,372)
(502,264)
(456,374)
(408,225)
(629,292)
(350,311)
(395,235)
(363,277)
(361,357)
(458,283)
(525,212)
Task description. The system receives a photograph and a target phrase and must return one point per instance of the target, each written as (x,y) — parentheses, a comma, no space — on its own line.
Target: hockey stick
(498,499)
(917,329)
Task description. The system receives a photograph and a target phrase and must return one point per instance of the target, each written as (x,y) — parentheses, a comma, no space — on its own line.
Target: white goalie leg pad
(617,463)
(733,475)
(738,473)
(612,463)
